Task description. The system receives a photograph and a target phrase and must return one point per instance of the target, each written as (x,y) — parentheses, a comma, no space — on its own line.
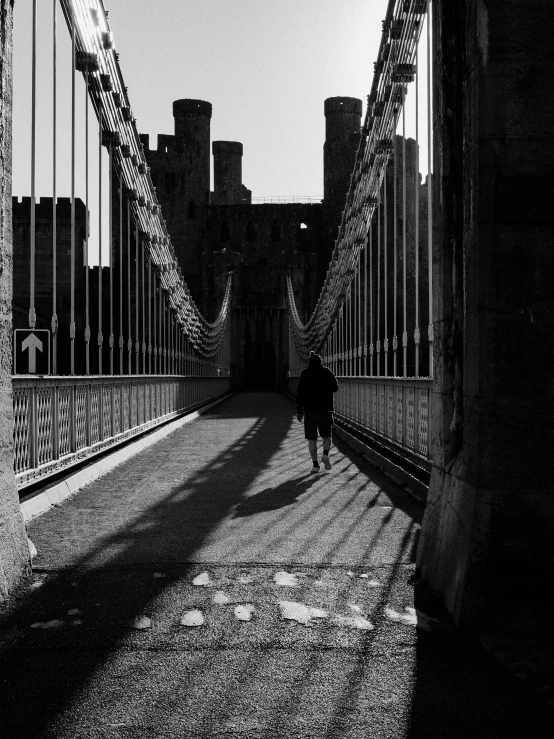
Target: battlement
(227,147)
(166,142)
(336,105)
(21,208)
(186,106)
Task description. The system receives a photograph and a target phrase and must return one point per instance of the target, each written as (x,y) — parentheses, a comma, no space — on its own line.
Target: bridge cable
(54,321)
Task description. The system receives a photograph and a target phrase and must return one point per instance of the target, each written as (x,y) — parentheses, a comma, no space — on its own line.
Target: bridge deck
(231,495)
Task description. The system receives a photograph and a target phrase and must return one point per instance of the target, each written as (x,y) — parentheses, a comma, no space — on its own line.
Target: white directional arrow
(32,343)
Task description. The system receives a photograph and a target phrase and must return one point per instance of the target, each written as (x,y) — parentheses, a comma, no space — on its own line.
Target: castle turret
(342,136)
(227,172)
(180,169)
(192,134)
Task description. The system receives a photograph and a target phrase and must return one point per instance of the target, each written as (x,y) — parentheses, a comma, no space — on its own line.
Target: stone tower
(228,187)
(342,137)
(180,168)
(192,136)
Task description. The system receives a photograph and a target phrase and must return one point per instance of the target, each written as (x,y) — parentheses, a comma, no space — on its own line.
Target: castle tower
(192,136)
(342,136)
(227,172)
(180,169)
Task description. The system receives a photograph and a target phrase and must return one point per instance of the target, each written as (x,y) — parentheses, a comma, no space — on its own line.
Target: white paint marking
(53,624)
(352,622)
(221,599)
(245,612)
(193,618)
(285,579)
(202,580)
(292,611)
(141,622)
(408,619)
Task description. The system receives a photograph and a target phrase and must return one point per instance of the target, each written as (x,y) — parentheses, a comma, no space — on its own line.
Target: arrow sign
(31,344)
(31,351)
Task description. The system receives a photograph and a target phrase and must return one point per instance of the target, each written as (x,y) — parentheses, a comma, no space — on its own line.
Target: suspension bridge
(189,576)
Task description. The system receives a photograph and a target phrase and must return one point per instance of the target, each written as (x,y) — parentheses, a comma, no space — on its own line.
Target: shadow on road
(271,499)
(43,671)
(455,691)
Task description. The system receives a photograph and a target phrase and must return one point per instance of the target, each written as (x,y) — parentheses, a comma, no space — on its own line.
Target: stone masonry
(14,553)
(222,231)
(486,541)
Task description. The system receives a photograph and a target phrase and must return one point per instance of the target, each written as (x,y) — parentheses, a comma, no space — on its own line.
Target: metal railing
(284,199)
(60,421)
(396,410)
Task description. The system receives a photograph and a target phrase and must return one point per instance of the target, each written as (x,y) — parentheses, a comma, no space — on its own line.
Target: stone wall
(14,553)
(342,138)
(486,540)
(260,244)
(180,168)
(228,187)
(43,271)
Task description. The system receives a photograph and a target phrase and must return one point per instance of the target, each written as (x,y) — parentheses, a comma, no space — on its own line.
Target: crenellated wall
(180,169)
(259,243)
(228,187)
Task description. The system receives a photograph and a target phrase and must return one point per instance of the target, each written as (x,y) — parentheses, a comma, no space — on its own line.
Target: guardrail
(60,421)
(285,200)
(394,409)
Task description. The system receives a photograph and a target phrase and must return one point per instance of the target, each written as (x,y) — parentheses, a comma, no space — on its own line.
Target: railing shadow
(436,682)
(43,671)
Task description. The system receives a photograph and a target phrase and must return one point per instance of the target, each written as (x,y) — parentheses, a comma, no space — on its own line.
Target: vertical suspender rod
(72,288)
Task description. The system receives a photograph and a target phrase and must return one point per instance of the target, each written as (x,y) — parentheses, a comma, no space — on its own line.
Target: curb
(414,486)
(42,502)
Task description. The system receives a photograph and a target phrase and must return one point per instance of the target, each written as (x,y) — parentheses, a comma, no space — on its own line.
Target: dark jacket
(315,389)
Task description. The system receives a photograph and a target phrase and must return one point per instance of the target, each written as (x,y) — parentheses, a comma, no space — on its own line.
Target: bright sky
(265,65)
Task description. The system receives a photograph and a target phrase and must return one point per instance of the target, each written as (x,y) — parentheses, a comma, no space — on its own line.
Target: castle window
(192,209)
(251,232)
(276,231)
(225,232)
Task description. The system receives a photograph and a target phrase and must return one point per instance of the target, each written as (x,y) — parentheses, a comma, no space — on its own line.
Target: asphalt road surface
(274,603)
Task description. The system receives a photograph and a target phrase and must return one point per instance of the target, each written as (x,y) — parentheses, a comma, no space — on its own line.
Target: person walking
(314,406)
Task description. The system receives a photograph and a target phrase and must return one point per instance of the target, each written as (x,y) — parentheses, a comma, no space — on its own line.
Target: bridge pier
(14,554)
(486,541)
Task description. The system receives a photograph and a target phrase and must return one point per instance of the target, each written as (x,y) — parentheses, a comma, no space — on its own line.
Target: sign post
(31,351)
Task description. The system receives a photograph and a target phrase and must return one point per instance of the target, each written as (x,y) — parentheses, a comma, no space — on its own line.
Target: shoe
(314,469)
(326,463)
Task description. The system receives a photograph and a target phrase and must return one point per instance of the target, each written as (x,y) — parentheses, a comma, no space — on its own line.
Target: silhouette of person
(314,406)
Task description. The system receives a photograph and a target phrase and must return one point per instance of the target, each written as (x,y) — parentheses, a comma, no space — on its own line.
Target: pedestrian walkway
(213,587)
